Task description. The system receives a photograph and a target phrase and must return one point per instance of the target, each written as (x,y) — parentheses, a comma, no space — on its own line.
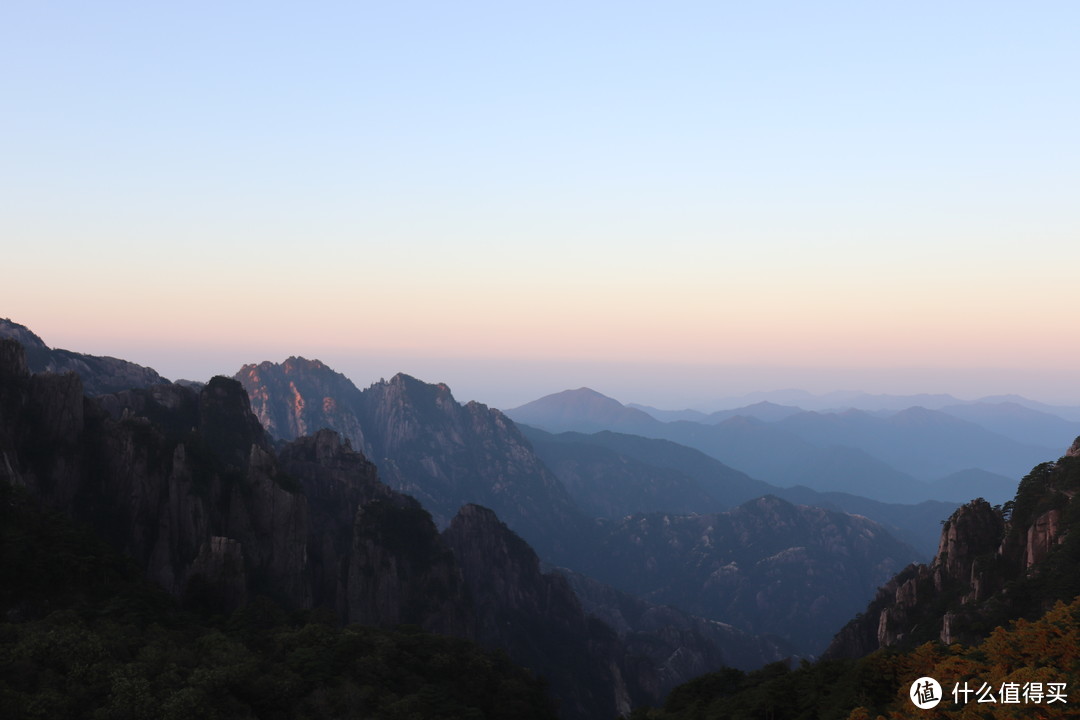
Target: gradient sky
(665,201)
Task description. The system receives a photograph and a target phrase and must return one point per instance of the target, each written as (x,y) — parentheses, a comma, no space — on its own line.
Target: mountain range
(998,608)
(654,561)
(447,454)
(616,474)
(902,457)
(188,485)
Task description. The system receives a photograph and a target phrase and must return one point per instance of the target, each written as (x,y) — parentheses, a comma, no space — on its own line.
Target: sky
(667,202)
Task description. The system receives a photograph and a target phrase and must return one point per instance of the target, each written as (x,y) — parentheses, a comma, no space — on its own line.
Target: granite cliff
(425,444)
(189,485)
(994,564)
(826,565)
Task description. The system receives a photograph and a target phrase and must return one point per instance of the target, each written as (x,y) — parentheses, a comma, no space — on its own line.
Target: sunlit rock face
(299,397)
(425,444)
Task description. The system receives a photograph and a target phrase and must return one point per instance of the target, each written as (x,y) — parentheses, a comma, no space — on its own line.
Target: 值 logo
(925,693)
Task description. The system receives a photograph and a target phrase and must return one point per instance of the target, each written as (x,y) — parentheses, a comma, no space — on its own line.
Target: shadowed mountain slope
(188,485)
(766,566)
(649,475)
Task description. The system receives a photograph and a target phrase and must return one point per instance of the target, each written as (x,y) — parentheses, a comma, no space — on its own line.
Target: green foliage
(86,637)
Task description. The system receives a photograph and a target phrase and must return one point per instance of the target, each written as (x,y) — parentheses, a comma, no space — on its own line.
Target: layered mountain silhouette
(1019,422)
(447,454)
(189,486)
(615,474)
(897,457)
(386,506)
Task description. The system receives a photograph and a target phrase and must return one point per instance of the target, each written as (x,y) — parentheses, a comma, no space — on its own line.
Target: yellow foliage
(1031,655)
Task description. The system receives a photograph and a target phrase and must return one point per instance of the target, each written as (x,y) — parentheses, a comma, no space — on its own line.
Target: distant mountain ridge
(445,453)
(894,457)
(99,375)
(1019,422)
(583,410)
(629,474)
(190,487)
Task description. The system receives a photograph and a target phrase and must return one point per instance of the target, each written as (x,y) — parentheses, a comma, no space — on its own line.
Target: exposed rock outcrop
(300,396)
(993,564)
(425,444)
(188,484)
(190,487)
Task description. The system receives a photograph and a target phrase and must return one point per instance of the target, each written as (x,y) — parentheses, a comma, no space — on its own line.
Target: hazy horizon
(507,383)
(660,202)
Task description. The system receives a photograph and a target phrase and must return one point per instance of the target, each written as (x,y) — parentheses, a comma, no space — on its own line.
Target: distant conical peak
(590,392)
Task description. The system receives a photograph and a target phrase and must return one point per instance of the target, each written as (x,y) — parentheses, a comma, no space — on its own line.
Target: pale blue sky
(891,187)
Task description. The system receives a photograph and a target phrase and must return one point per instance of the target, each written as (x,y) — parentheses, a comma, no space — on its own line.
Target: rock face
(189,486)
(425,444)
(99,375)
(795,571)
(300,396)
(993,564)
(446,454)
(537,618)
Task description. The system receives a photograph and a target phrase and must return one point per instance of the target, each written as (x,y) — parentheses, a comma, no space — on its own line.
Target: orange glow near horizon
(785,320)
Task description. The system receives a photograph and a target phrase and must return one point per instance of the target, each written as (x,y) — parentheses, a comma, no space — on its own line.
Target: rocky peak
(299,397)
(974,530)
(424,442)
(99,375)
(229,428)
(993,565)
